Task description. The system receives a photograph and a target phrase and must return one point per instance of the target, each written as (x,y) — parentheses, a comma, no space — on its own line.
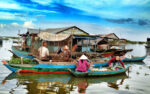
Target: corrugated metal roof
(58,30)
(34,31)
(55,30)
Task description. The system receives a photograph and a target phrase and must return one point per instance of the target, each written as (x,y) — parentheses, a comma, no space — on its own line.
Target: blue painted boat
(43,68)
(135,59)
(21,53)
(99,73)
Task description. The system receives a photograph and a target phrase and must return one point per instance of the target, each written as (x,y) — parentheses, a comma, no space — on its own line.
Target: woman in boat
(82,64)
(44,52)
(114,62)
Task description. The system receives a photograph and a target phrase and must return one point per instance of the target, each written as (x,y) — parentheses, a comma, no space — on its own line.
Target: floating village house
(77,40)
(74,34)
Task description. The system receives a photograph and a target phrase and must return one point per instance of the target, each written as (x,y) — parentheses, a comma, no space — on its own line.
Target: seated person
(113,62)
(59,51)
(82,64)
(44,52)
(66,53)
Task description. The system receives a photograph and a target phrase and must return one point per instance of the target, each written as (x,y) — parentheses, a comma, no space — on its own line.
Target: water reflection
(59,83)
(148,51)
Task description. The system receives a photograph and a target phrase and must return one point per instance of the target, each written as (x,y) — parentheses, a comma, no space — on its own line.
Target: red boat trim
(41,72)
(4,62)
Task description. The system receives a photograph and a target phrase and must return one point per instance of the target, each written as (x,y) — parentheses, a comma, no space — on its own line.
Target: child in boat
(82,64)
(44,52)
(114,62)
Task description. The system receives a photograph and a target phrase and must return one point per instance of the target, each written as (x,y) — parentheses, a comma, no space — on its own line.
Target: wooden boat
(21,53)
(45,68)
(99,73)
(111,52)
(134,59)
(107,54)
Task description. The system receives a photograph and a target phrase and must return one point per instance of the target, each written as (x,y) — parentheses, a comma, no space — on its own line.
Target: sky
(128,19)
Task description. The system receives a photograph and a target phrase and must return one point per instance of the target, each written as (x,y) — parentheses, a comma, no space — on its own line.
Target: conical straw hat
(83,57)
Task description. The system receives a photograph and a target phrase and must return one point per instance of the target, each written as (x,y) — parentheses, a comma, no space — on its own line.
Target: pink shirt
(82,66)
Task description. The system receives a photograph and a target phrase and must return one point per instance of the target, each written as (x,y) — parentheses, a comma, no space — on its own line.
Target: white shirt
(43,52)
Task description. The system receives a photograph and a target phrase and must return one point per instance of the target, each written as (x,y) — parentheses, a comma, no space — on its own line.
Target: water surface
(136,81)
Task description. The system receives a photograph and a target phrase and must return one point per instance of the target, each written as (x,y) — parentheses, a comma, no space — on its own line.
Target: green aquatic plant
(146,74)
(137,73)
(140,67)
(127,86)
(18,61)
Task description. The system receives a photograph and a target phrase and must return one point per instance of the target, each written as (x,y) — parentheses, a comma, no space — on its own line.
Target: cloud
(14,24)
(121,21)
(9,5)
(28,24)
(141,22)
(10,16)
(43,2)
(2,25)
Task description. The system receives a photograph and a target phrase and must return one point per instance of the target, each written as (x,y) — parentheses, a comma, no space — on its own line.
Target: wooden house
(73,30)
(110,36)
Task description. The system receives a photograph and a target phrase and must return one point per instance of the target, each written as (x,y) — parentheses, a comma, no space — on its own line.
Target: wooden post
(21,60)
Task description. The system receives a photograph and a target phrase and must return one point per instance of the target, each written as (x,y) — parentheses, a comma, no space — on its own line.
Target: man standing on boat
(114,62)
(43,51)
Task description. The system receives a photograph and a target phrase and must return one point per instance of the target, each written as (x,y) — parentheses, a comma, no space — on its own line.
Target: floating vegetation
(140,67)
(18,61)
(137,73)
(146,74)
(127,86)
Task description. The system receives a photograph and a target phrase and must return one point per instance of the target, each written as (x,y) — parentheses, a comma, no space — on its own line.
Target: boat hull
(139,59)
(99,73)
(43,68)
(20,53)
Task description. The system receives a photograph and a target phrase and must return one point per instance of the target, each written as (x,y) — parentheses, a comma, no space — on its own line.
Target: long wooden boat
(134,59)
(99,73)
(107,54)
(45,68)
(21,53)
(110,52)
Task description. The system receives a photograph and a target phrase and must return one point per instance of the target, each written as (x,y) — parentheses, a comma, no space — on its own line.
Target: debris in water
(127,86)
(137,73)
